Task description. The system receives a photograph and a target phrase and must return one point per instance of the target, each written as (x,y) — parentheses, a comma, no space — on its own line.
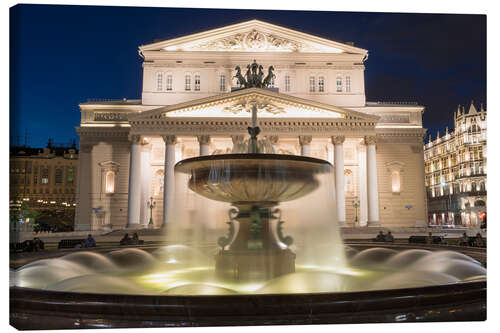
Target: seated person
(90,241)
(428,240)
(479,240)
(126,240)
(135,238)
(380,237)
(464,240)
(389,237)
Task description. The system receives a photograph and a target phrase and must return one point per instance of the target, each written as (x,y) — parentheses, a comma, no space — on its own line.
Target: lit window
(321,84)
(188,82)
(396,182)
(159,81)
(197,82)
(45,176)
(110,182)
(339,84)
(287,83)
(70,175)
(312,84)
(348,84)
(271,84)
(169,81)
(222,83)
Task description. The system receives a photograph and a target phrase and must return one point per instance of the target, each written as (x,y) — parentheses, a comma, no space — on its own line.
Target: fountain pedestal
(254,252)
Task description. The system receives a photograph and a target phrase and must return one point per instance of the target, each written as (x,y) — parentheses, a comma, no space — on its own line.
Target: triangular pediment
(239,104)
(253,36)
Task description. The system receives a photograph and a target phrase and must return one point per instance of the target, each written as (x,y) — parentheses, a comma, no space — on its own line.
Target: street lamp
(355,204)
(151,205)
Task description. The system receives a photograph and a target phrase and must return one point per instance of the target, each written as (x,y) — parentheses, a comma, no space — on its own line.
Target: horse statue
(241,79)
(259,77)
(270,76)
(248,75)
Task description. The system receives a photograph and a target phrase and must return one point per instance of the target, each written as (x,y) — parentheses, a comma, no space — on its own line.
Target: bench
(423,240)
(69,243)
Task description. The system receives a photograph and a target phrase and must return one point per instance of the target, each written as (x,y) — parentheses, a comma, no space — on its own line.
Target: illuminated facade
(192,105)
(44,178)
(455,171)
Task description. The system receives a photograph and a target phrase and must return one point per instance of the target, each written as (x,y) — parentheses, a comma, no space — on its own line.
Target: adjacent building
(455,171)
(44,178)
(191,106)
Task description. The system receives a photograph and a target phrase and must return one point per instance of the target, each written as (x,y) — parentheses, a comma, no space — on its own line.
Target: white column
(363,194)
(145,183)
(371,177)
(83,211)
(305,145)
(169,180)
(134,183)
(338,148)
(204,141)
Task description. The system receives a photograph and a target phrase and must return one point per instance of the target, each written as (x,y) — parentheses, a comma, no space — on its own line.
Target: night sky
(62,55)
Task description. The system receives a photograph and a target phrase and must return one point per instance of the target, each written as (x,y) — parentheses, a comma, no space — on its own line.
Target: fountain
(303,275)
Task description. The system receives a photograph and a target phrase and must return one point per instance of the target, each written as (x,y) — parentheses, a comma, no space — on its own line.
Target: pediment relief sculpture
(254,40)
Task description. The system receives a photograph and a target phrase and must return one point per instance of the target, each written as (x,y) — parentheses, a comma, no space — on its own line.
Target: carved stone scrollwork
(338,140)
(417,148)
(273,139)
(86,147)
(133,138)
(169,139)
(370,140)
(237,138)
(305,139)
(204,139)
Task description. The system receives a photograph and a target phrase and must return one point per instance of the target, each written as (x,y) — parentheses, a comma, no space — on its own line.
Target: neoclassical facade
(192,105)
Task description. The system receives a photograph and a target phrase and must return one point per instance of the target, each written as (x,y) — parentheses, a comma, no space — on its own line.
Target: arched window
(396,181)
(349,184)
(197,82)
(158,182)
(222,82)
(396,168)
(347,84)
(109,184)
(287,82)
(339,83)
(187,82)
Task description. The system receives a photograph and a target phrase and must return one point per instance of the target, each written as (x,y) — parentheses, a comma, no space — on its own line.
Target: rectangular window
(287,83)
(159,81)
(197,82)
(188,83)
(321,84)
(69,176)
(339,84)
(222,86)
(169,82)
(58,176)
(45,176)
(348,84)
(312,84)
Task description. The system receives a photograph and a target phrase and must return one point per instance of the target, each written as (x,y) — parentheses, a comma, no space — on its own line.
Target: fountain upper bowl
(253,178)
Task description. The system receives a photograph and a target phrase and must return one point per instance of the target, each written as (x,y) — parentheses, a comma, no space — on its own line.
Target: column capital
(305,139)
(169,139)
(370,140)
(273,139)
(203,139)
(237,138)
(338,140)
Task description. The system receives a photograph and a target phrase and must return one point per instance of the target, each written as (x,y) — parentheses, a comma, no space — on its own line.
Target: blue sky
(63,55)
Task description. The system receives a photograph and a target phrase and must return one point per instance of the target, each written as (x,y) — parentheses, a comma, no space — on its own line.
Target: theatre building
(193,105)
